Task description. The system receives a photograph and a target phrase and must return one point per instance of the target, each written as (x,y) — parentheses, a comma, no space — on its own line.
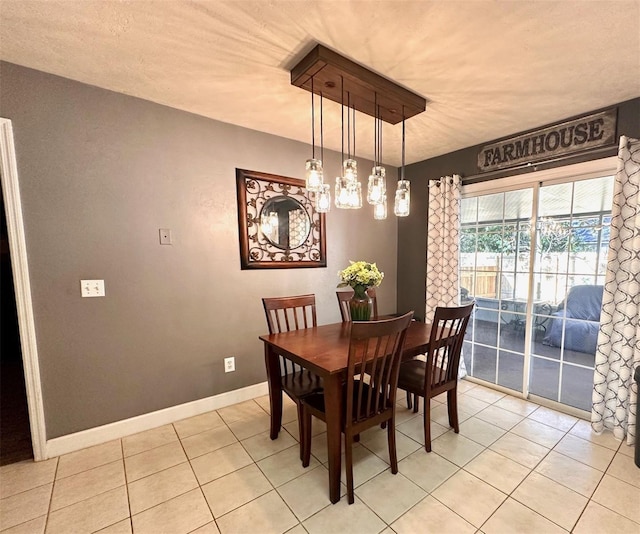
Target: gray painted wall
(412,231)
(100,173)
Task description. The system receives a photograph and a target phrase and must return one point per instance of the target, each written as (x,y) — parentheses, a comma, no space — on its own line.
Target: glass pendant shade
(354,195)
(403,199)
(350,170)
(323,199)
(341,193)
(314,175)
(380,209)
(377,186)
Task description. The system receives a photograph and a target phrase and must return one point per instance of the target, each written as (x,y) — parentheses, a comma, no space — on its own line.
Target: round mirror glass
(284,222)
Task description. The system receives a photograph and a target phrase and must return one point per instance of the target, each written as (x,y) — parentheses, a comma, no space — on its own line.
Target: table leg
(333,411)
(274,380)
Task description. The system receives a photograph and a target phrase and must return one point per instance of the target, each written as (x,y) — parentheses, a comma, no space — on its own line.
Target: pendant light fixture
(323,199)
(314,172)
(340,78)
(377,187)
(323,195)
(351,165)
(342,191)
(348,188)
(402,203)
(380,209)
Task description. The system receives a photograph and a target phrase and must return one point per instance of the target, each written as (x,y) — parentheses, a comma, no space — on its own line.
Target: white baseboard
(102,434)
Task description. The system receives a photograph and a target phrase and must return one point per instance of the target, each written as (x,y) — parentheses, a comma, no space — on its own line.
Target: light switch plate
(92,288)
(165,236)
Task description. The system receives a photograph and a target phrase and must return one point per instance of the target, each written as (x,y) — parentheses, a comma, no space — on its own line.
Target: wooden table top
(324,349)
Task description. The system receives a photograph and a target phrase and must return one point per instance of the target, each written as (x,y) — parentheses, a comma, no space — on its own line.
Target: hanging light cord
(348,125)
(375,130)
(313,124)
(402,174)
(379,137)
(321,132)
(354,130)
(342,118)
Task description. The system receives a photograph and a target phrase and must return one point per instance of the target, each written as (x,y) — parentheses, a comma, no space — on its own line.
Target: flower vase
(360,304)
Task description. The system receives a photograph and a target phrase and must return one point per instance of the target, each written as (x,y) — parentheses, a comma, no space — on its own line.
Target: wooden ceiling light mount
(327,68)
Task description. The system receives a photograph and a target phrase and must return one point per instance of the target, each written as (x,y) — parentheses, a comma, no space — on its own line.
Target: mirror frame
(256,252)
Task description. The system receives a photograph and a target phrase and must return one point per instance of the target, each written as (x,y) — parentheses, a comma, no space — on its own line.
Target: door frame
(22,286)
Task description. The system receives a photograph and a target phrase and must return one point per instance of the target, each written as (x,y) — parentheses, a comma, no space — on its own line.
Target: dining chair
(343,302)
(283,315)
(369,394)
(439,373)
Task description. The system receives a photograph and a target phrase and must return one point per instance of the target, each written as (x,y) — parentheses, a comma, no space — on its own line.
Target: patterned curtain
(615,395)
(443,226)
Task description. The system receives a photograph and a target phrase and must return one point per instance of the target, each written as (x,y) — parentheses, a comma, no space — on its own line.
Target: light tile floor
(515,467)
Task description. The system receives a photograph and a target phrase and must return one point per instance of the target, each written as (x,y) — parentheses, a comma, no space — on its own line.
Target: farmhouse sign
(592,131)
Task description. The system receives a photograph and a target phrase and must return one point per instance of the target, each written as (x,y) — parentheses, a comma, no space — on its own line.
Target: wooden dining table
(324,350)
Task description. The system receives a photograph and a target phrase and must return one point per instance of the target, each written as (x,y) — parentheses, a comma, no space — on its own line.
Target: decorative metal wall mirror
(279,227)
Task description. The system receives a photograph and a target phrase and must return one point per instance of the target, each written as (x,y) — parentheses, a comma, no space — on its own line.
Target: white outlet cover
(92,288)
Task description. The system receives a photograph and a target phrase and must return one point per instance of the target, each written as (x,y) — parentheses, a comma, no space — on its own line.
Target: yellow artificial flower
(360,273)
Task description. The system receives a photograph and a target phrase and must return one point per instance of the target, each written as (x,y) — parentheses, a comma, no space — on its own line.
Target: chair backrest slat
(375,350)
(289,313)
(445,345)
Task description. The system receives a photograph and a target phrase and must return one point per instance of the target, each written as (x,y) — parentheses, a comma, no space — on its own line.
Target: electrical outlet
(229,364)
(92,288)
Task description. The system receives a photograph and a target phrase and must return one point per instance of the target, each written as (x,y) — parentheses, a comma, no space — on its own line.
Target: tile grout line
(274,488)
(53,485)
(213,517)
(126,484)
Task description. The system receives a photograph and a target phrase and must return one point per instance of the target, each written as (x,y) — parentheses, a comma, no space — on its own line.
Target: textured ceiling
(487,68)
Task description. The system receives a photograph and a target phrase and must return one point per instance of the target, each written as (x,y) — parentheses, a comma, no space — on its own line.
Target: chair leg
(305,435)
(452,403)
(427,424)
(301,429)
(391,438)
(348,460)
(416,403)
(409,404)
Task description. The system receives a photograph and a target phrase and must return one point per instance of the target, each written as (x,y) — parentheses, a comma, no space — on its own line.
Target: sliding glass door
(534,259)
(494,270)
(570,262)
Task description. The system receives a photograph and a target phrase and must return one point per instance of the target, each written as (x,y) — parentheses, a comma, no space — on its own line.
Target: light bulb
(350,170)
(341,193)
(377,186)
(354,196)
(323,199)
(380,209)
(314,175)
(403,199)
